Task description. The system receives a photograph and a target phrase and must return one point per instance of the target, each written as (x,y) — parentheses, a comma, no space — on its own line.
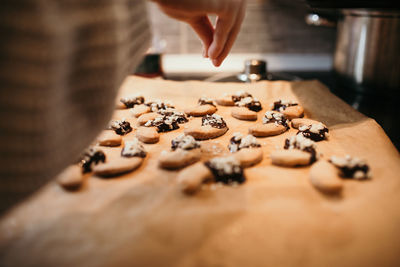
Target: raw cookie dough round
(249,156)
(148,135)
(139,110)
(243,113)
(179,158)
(325,177)
(200,110)
(298,122)
(109,138)
(191,178)
(116,164)
(293,112)
(205,132)
(267,129)
(71,178)
(290,158)
(146,117)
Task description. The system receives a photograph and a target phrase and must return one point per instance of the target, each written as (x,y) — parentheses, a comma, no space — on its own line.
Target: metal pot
(367,56)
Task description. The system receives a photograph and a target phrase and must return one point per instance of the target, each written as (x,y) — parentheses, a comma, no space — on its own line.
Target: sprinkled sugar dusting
(226,170)
(275,117)
(300,142)
(316,131)
(133,148)
(238,141)
(213,120)
(206,101)
(91,156)
(351,167)
(281,105)
(121,127)
(250,103)
(133,100)
(185,142)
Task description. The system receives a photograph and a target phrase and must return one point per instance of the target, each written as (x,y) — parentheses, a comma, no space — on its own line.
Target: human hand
(217,41)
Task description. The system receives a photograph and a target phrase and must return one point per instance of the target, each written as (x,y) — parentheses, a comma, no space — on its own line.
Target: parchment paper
(275,219)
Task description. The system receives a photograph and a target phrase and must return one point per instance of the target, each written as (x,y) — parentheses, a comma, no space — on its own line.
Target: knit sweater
(61,63)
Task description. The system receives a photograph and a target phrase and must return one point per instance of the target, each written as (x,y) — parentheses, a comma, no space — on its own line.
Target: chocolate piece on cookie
(185,150)
(239,95)
(133,148)
(246,149)
(250,103)
(215,121)
(274,123)
(299,142)
(163,123)
(185,142)
(316,131)
(351,167)
(239,141)
(131,101)
(121,127)
(91,156)
(226,170)
(179,116)
(158,104)
(206,101)
(291,109)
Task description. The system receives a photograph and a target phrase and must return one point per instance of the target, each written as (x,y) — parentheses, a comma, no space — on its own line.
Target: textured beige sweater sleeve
(61,63)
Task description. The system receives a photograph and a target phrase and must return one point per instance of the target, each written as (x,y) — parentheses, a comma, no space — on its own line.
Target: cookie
(225,100)
(146,117)
(90,157)
(325,177)
(298,122)
(121,127)
(200,110)
(299,142)
(71,178)
(243,113)
(249,156)
(245,149)
(164,123)
(226,170)
(185,150)
(178,158)
(121,161)
(148,135)
(132,101)
(290,109)
(117,167)
(212,126)
(191,178)
(316,131)
(274,123)
(290,158)
(109,138)
(156,105)
(351,167)
(265,130)
(139,110)
(250,103)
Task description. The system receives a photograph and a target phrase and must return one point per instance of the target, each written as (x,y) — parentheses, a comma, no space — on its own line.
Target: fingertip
(216,62)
